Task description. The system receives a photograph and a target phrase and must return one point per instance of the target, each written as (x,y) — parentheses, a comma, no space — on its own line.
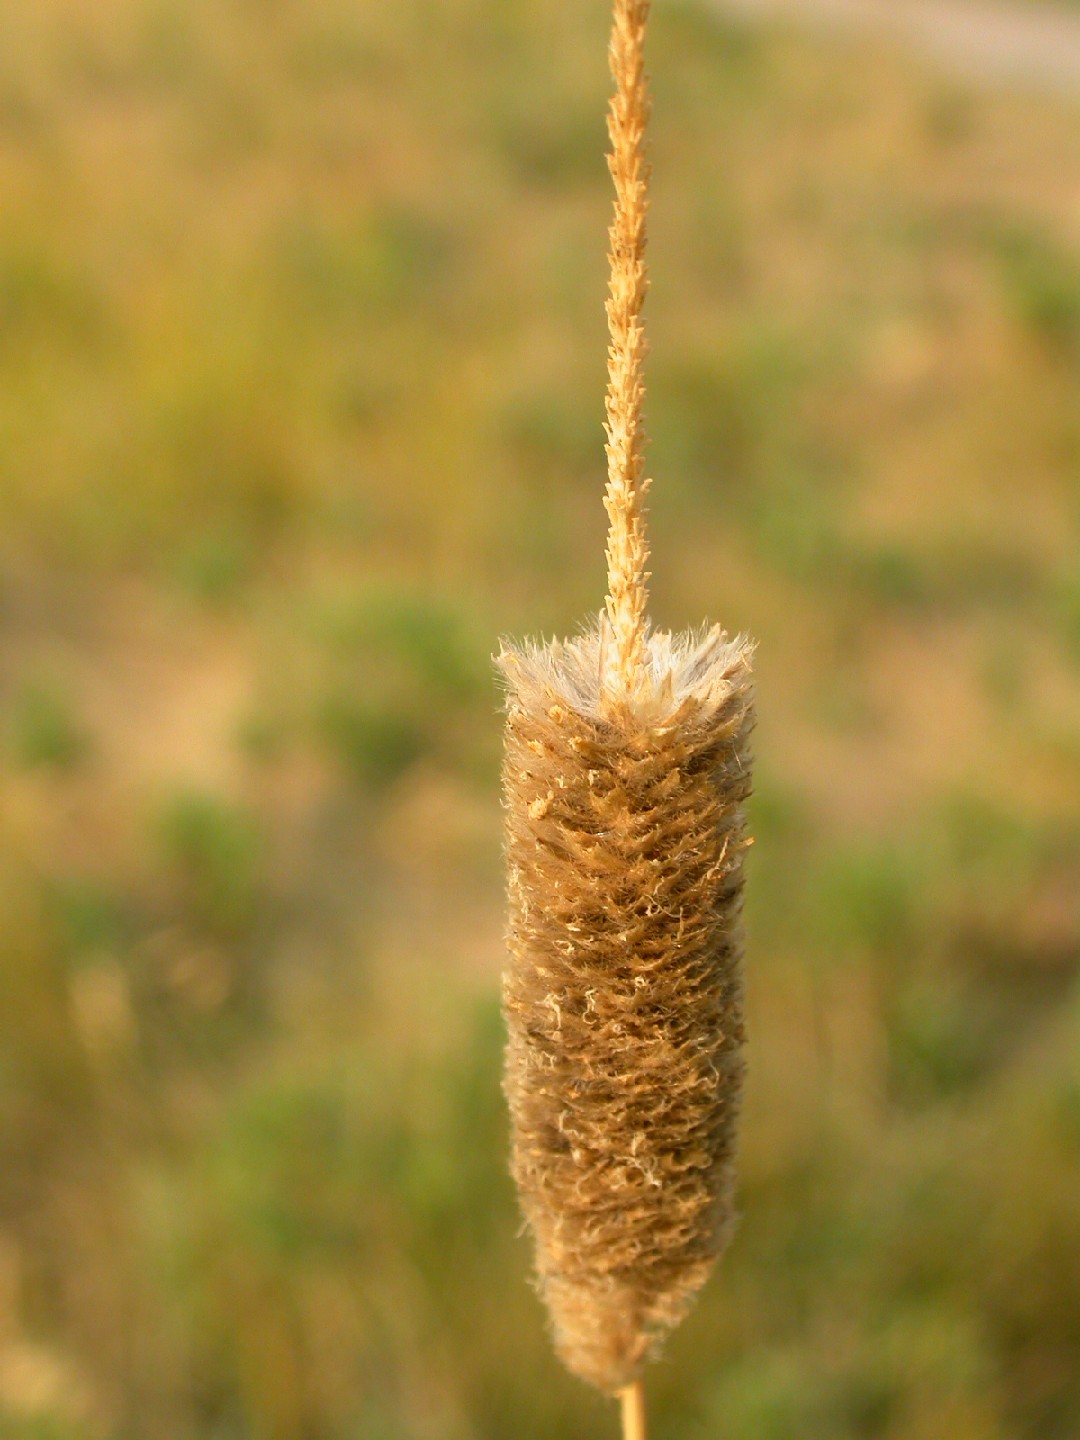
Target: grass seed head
(625,839)
(626,771)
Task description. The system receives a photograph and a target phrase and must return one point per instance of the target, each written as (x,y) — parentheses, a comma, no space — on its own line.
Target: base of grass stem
(632,1400)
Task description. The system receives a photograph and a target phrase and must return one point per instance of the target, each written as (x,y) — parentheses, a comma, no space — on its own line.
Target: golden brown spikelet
(623,996)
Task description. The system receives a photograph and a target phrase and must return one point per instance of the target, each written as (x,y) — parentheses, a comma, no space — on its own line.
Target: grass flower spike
(626,772)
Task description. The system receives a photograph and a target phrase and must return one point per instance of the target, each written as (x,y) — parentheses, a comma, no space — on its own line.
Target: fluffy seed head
(623,995)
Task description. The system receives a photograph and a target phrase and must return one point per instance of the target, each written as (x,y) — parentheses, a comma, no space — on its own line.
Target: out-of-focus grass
(43,731)
(301,361)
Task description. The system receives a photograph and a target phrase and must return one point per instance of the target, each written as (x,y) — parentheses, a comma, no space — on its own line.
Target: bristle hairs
(623,995)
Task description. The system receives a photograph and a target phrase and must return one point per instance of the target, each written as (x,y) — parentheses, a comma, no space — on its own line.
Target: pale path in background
(980,39)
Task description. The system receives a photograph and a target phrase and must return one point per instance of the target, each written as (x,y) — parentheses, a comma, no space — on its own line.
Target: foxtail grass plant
(625,777)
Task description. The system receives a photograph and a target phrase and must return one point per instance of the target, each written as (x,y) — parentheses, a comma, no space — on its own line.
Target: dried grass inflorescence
(623,997)
(626,772)
(627,550)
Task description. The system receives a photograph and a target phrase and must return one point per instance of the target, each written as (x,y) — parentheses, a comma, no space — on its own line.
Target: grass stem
(632,1400)
(627,548)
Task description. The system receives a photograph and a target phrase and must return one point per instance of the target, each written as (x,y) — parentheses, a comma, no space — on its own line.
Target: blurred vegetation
(301,362)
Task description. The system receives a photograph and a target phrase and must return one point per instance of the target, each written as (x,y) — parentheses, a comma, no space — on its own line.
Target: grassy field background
(301,363)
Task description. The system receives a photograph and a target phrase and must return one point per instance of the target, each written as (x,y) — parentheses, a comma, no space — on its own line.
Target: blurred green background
(301,365)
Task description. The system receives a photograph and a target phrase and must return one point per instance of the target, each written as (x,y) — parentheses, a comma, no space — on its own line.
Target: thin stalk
(627,546)
(632,1400)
